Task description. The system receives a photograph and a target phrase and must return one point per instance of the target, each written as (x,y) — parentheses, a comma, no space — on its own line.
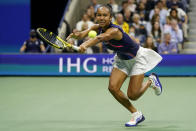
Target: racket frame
(65,44)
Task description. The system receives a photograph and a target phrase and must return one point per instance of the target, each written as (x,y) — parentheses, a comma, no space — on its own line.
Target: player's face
(103,17)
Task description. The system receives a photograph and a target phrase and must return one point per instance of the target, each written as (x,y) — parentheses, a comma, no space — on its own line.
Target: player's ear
(110,17)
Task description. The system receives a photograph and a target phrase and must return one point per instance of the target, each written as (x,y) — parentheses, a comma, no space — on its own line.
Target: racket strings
(52,38)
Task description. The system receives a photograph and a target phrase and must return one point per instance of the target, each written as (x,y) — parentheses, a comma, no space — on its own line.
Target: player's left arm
(82,34)
(111,33)
(135,39)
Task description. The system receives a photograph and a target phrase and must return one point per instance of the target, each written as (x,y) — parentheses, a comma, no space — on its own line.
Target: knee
(113,88)
(132,96)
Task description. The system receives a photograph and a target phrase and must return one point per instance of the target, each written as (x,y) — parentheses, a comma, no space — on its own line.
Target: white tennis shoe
(136,118)
(156,84)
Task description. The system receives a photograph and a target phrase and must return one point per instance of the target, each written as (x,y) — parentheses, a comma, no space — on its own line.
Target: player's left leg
(156,84)
(137,87)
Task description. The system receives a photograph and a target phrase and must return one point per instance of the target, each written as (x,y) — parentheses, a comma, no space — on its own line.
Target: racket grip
(76,48)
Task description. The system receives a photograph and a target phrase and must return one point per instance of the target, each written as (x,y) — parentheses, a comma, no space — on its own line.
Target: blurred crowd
(161,25)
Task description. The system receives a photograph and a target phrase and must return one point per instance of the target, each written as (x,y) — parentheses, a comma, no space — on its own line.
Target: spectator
(164,2)
(167,47)
(154,12)
(115,7)
(132,31)
(33,44)
(167,26)
(128,16)
(156,33)
(185,5)
(150,4)
(140,7)
(95,5)
(131,5)
(136,23)
(175,2)
(120,21)
(143,1)
(90,13)
(155,18)
(141,10)
(183,19)
(163,12)
(84,22)
(124,7)
(150,44)
(176,32)
(142,33)
(142,19)
(174,14)
(140,30)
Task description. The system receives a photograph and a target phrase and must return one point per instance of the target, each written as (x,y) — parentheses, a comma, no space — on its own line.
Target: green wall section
(54,70)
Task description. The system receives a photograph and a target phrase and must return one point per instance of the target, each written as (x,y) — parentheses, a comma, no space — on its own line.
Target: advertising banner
(86,65)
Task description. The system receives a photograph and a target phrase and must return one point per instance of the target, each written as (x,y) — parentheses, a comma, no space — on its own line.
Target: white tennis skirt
(145,60)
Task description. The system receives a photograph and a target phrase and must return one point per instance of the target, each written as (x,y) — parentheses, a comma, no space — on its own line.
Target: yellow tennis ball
(92,34)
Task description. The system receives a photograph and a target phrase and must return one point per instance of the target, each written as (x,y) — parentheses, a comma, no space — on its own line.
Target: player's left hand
(74,35)
(82,49)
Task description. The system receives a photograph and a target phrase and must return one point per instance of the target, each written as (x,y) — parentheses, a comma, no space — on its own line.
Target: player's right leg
(117,78)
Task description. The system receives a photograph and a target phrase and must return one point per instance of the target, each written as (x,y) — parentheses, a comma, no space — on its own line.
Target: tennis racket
(54,40)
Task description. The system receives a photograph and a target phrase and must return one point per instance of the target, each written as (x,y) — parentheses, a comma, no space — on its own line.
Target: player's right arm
(82,34)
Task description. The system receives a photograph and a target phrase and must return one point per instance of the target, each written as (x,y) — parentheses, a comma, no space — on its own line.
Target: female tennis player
(130,60)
